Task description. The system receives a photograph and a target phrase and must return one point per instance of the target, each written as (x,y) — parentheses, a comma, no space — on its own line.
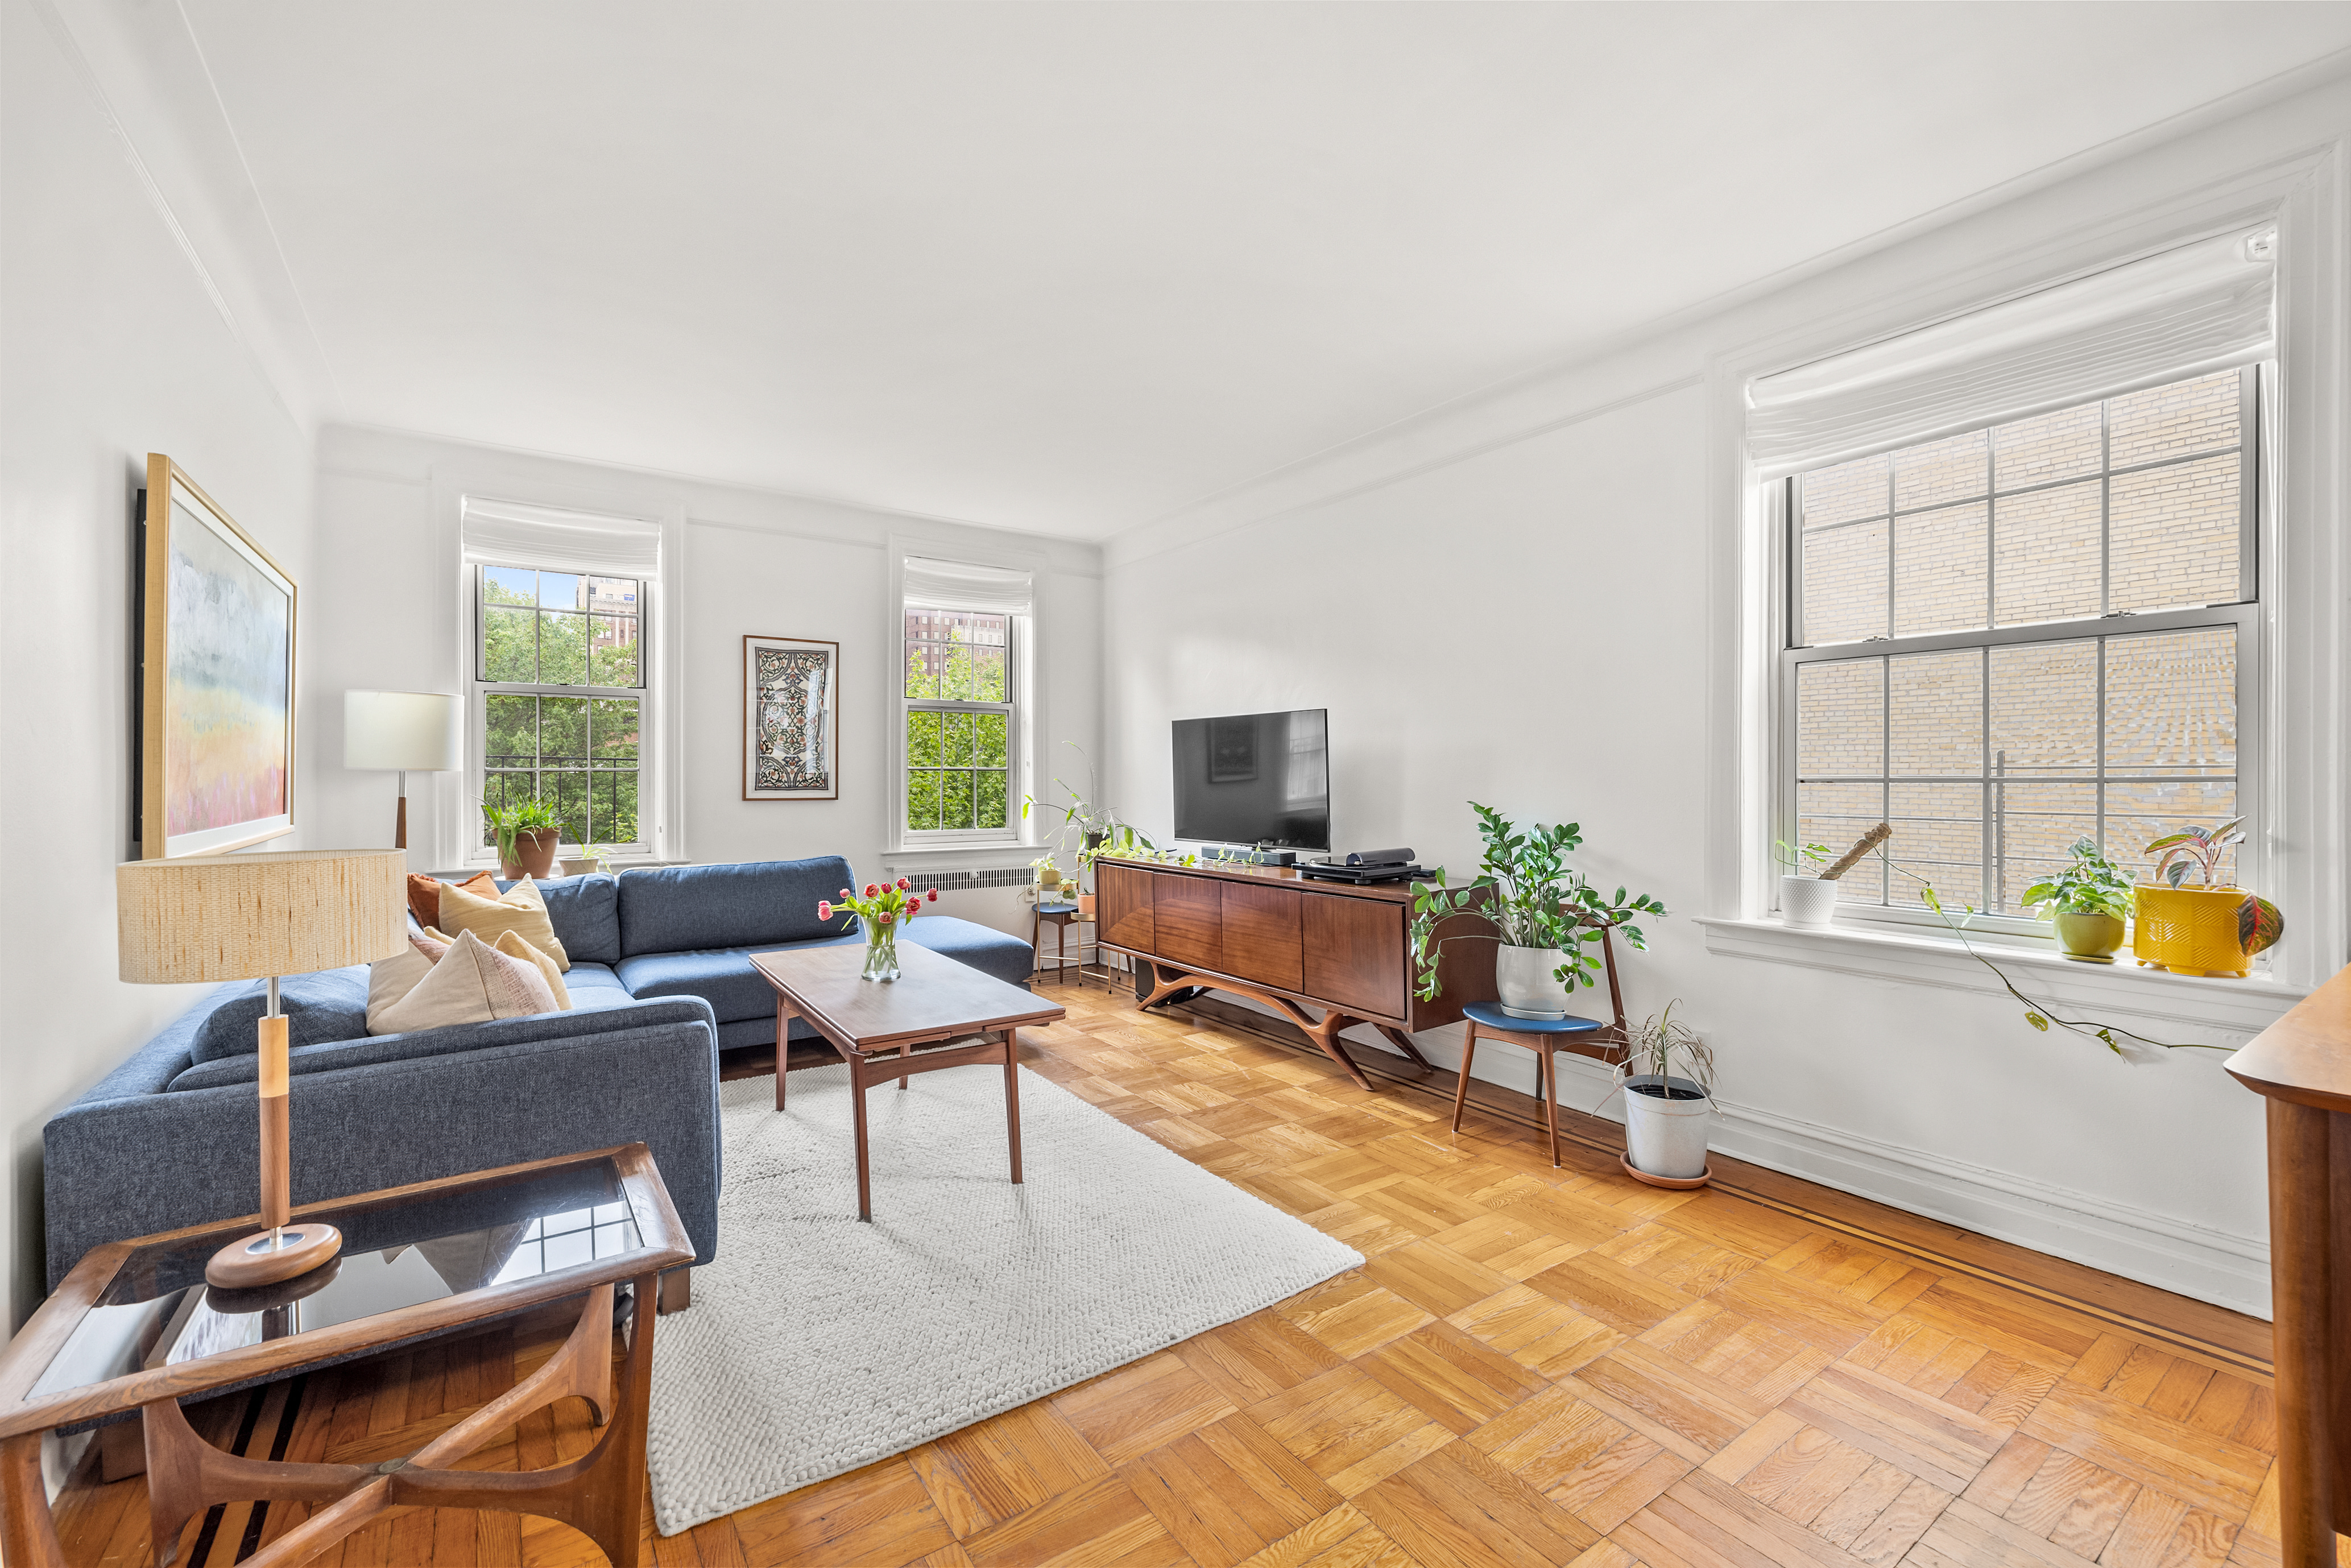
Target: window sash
(641,694)
(2244,615)
(1014,652)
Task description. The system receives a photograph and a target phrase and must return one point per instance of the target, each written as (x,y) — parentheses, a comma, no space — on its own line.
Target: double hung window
(2013,639)
(963,643)
(563,683)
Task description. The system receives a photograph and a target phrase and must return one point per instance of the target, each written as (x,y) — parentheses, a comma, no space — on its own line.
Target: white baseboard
(2159,1249)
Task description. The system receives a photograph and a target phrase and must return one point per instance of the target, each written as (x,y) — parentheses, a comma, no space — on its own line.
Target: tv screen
(1260,778)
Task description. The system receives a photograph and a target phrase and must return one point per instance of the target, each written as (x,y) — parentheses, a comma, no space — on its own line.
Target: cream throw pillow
(473,983)
(514,946)
(522,911)
(388,979)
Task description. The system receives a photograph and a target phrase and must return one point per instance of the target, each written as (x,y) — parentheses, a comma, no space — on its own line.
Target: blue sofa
(660,980)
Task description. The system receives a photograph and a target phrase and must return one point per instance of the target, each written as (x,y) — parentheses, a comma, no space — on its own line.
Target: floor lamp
(258,916)
(402,732)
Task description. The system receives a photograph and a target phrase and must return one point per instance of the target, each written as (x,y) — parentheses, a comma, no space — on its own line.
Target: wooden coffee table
(877,1026)
(135,1329)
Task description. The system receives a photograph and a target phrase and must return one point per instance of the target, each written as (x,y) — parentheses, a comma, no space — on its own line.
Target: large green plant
(2089,884)
(1527,892)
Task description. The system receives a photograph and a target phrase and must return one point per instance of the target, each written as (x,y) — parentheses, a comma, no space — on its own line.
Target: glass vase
(881,952)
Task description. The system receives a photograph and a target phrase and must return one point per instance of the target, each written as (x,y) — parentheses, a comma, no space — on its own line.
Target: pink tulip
(872,891)
(846,894)
(884,919)
(903,884)
(932,896)
(824,909)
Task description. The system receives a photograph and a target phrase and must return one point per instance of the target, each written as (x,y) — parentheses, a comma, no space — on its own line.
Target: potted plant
(2089,901)
(1544,914)
(1667,1077)
(526,832)
(1049,875)
(1808,898)
(886,908)
(2214,928)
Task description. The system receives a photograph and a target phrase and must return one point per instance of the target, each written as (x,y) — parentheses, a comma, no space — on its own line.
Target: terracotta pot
(1085,906)
(534,856)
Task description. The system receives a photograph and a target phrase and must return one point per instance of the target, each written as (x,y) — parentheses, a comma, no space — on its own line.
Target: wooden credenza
(1269,933)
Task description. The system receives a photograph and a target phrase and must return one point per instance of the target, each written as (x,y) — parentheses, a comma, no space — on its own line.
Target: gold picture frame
(216,679)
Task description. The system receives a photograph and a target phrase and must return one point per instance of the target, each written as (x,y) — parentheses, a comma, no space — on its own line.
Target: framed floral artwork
(791,719)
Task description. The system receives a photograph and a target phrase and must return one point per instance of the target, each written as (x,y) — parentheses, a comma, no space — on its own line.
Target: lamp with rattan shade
(260,916)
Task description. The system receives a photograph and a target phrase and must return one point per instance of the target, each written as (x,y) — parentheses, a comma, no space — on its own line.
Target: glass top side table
(134,1327)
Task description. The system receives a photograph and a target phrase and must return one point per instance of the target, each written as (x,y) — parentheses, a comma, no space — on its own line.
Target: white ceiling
(1070,267)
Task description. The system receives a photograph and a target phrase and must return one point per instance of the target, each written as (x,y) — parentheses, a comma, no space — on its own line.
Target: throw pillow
(514,946)
(424,894)
(520,911)
(388,979)
(473,983)
(328,1006)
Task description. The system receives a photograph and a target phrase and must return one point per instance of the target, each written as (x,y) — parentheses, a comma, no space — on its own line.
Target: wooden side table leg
(2302,1173)
(1468,1058)
(1012,1098)
(28,1534)
(857,1106)
(905,1050)
(1551,1099)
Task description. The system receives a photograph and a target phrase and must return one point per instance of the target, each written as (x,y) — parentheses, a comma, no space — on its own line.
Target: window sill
(2232,1010)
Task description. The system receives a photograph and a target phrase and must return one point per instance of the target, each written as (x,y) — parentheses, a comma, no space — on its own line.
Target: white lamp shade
(414,731)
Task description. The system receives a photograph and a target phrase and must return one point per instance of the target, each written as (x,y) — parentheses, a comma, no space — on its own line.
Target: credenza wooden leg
(2303,1174)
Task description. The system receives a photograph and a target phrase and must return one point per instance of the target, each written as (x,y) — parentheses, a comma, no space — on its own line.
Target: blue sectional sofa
(660,980)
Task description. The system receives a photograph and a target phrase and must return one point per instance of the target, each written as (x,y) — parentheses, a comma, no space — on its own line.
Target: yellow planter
(2190,930)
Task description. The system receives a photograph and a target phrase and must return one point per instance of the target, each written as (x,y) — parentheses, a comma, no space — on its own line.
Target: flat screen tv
(1257,778)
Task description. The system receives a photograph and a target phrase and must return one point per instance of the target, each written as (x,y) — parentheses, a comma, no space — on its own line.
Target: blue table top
(1490,1015)
(1057,909)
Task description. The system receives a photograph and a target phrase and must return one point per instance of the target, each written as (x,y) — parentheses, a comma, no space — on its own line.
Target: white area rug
(817,1344)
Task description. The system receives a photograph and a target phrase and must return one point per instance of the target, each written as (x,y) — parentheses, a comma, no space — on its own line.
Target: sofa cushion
(521,909)
(329,1005)
(756,903)
(595,985)
(722,977)
(586,913)
(984,947)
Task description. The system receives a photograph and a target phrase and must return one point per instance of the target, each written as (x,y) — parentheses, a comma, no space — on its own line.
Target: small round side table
(1062,917)
(1542,1035)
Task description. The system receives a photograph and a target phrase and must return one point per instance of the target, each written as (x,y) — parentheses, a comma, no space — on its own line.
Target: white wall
(1530,601)
(738,561)
(111,346)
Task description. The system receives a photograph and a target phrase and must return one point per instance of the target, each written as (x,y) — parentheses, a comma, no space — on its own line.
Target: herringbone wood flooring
(1533,1367)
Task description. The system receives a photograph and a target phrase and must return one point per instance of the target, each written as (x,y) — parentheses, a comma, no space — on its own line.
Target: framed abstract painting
(792,713)
(217,692)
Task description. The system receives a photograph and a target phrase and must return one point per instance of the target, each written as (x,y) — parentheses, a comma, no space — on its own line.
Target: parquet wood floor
(1533,1367)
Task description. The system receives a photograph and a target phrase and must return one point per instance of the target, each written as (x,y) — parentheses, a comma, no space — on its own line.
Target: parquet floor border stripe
(1396,1071)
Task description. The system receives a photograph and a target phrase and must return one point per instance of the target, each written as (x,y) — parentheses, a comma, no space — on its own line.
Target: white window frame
(479,690)
(2257,395)
(2305,565)
(1015,669)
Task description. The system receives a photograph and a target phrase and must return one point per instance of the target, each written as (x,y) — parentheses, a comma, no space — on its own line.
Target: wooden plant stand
(601,1493)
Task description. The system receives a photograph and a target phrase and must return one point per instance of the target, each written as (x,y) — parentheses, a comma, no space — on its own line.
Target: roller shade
(934,584)
(2189,311)
(511,533)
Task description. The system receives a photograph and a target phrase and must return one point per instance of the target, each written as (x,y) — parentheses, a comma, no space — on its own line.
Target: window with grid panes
(561,684)
(958,717)
(2007,641)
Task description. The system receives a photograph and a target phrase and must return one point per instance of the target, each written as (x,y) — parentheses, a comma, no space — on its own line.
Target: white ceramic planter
(1523,977)
(1666,1137)
(1807,901)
